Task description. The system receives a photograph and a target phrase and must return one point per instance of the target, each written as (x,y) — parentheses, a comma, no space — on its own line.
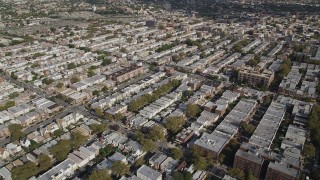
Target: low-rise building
(212,144)
(4,131)
(147,173)
(63,170)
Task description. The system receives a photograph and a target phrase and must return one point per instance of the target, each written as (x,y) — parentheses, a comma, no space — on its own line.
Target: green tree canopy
(58,132)
(99,112)
(236,173)
(174,123)
(44,162)
(139,162)
(157,132)
(248,128)
(61,149)
(309,151)
(59,85)
(98,128)
(199,162)
(24,171)
(74,79)
(16,132)
(119,168)
(101,174)
(71,65)
(77,139)
(176,153)
(192,110)
(148,145)
(107,151)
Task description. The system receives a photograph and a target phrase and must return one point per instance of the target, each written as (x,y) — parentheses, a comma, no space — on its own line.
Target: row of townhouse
(75,160)
(160,104)
(127,92)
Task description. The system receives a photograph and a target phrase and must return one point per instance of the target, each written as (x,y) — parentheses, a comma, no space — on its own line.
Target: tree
(99,112)
(47,81)
(200,162)
(309,151)
(33,145)
(176,153)
(157,132)
(77,139)
(236,173)
(44,162)
(177,175)
(96,93)
(120,168)
(14,127)
(266,101)
(186,95)
(221,158)
(105,89)
(109,117)
(106,62)
(101,174)
(16,132)
(53,29)
(90,73)
(129,40)
(139,162)
(74,79)
(71,65)
(174,123)
(118,116)
(24,171)
(98,128)
(248,128)
(187,175)
(107,151)
(192,110)
(60,85)
(13,95)
(148,145)
(139,136)
(61,150)
(58,132)
(250,176)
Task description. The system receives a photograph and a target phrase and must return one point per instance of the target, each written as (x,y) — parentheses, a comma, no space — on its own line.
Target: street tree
(61,150)
(157,132)
(174,123)
(119,168)
(77,139)
(101,174)
(44,162)
(192,110)
(148,145)
(176,153)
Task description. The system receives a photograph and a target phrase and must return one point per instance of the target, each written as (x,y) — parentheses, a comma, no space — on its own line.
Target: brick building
(281,171)
(127,73)
(256,76)
(248,162)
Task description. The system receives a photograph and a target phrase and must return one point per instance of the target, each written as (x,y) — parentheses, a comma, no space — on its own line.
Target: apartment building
(248,162)
(127,73)
(281,171)
(212,144)
(256,76)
